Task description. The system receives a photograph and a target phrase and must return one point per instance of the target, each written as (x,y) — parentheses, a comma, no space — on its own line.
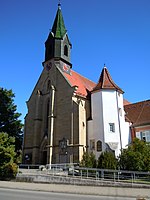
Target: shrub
(107,160)
(8,167)
(8,171)
(88,160)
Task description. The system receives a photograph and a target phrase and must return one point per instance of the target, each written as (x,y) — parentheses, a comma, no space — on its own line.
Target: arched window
(99,145)
(65,50)
(92,144)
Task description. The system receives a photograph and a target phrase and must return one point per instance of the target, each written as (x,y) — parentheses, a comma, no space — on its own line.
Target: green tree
(88,160)
(9,118)
(136,157)
(8,167)
(107,160)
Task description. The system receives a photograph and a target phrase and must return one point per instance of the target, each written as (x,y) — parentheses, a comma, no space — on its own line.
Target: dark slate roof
(138,113)
(58,28)
(106,82)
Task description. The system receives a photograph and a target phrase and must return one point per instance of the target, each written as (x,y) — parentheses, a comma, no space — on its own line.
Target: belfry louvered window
(65,50)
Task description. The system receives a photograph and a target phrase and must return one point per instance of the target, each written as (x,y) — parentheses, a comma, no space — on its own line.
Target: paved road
(14,194)
(116,192)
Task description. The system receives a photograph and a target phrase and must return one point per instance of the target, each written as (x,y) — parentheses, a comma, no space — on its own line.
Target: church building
(67,113)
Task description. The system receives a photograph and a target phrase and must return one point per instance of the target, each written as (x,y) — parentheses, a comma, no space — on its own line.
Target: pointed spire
(57,44)
(106,82)
(58,28)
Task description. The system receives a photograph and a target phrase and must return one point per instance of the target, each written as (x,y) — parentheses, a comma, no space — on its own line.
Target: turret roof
(84,85)
(106,82)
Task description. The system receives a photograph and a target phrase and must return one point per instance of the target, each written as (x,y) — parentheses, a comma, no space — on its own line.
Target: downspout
(52,125)
(133,134)
(119,120)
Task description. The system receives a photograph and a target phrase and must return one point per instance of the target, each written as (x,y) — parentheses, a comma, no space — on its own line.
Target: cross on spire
(59,4)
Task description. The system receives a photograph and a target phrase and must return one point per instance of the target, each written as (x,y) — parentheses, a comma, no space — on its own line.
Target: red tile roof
(84,85)
(138,113)
(106,82)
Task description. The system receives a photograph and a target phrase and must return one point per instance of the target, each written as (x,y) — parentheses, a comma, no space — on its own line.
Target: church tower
(55,125)
(57,45)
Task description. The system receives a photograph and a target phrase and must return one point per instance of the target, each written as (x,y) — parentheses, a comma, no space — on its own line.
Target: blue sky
(114,32)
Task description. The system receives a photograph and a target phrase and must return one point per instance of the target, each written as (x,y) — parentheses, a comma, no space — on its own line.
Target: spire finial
(104,65)
(59,4)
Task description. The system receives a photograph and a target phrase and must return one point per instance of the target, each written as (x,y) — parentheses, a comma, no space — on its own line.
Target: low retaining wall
(74,181)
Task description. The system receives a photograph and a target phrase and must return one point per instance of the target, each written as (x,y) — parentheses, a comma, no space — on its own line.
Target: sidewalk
(90,190)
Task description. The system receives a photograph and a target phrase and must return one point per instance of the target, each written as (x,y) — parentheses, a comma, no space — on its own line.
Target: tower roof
(58,28)
(106,82)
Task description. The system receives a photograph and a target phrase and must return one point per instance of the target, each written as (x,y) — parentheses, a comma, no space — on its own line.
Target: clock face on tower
(65,68)
(48,66)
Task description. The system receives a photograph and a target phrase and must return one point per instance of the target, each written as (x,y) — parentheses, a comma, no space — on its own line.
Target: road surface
(14,194)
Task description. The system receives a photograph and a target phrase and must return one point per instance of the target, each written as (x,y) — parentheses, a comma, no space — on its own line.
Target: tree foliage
(9,118)
(107,160)
(8,167)
(88,160)
(136,157)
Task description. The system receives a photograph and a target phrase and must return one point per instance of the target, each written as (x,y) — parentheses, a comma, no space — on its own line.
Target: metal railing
(74,171)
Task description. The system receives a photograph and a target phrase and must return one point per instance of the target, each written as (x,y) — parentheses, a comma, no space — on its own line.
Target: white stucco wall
(107,107)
